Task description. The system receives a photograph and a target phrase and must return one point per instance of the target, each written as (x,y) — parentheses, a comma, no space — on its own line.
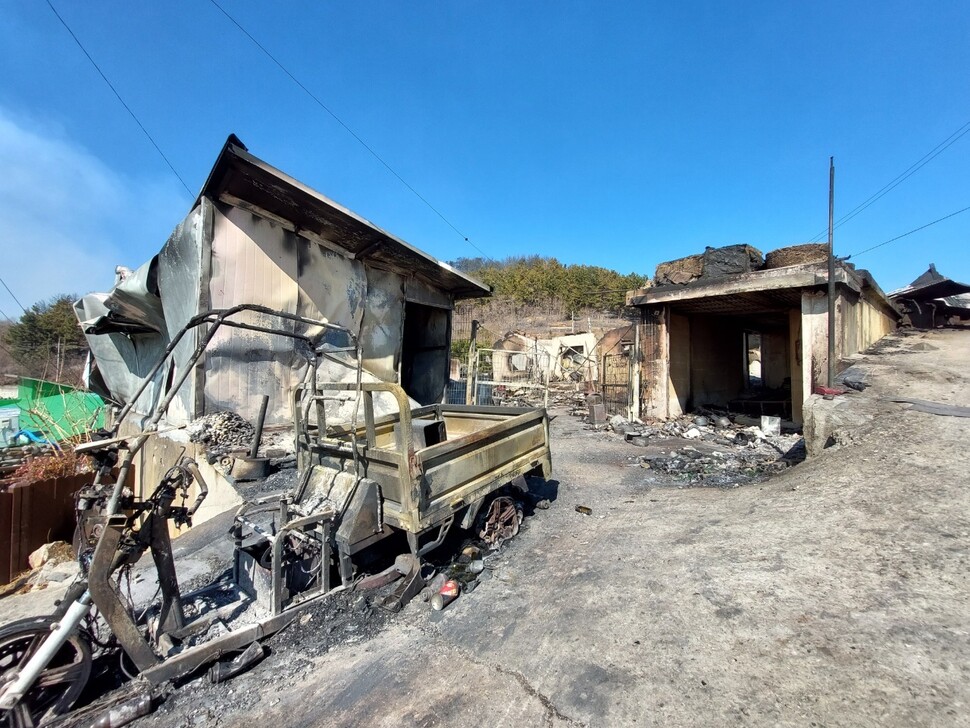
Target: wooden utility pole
(831,357)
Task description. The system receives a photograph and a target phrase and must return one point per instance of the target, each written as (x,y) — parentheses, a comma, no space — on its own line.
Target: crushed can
(448,593)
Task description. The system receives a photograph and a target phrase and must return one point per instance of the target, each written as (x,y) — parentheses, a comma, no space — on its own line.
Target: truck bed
(483,449)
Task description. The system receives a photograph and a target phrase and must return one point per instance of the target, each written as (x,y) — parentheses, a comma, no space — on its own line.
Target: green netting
(58,410)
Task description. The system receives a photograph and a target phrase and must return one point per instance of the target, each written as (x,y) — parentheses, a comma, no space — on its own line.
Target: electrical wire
(914,230)
(342,123)
(899,179)
(118,95)
(13,296)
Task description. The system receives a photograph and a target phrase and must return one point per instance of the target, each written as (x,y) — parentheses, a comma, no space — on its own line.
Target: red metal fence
(35,514)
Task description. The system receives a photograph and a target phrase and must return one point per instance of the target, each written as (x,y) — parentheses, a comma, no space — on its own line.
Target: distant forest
(535,280)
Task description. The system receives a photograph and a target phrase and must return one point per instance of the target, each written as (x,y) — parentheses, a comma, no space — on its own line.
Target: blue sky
(619,134)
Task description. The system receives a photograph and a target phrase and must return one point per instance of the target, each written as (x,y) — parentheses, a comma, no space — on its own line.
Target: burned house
(750,336)
(257,236)
(571,357)
(933,300)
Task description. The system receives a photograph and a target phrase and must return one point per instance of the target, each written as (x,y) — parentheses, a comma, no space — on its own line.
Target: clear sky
(617,134)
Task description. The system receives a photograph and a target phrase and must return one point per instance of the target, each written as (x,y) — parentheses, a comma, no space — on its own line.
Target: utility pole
(471,375)
(831,357)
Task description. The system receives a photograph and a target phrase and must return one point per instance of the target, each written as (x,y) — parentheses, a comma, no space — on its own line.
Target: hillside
(544,297)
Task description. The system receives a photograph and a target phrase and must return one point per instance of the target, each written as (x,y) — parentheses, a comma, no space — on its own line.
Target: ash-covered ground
(686,453)
(831,594)
(690,452)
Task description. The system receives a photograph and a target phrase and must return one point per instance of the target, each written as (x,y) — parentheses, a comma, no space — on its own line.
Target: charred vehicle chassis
(417,471)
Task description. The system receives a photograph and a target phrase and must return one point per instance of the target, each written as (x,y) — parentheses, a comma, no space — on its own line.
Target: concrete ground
(835,594)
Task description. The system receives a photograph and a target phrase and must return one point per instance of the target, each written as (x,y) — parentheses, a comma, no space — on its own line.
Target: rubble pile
(52,563)
(222,433)
(716,468)
(797,255)
(734,260)
(576,402)
(505,395)
(712,263)
(561,394)
(721,452)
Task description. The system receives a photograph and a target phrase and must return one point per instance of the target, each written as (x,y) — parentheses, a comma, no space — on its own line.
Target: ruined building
(730,329)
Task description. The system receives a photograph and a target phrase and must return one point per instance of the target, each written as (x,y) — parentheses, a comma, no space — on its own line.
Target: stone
(41,556)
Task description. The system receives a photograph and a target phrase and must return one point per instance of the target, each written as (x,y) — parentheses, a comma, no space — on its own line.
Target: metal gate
(615,381)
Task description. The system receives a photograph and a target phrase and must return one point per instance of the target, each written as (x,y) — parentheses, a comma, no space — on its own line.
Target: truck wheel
(499,521)
(57,687)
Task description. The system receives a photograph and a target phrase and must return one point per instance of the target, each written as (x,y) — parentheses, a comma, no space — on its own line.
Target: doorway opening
(424,352)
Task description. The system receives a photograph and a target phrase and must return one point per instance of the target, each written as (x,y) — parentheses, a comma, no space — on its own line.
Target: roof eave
(240,178)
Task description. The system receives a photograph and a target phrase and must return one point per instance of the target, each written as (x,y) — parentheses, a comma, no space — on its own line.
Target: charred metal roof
(240,179)
(929,286)
(762,291)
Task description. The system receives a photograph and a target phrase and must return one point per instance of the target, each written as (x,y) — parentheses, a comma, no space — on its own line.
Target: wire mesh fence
(512,378)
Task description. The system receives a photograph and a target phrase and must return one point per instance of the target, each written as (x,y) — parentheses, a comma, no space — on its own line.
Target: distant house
(700,339)
(518,356)
(933,300)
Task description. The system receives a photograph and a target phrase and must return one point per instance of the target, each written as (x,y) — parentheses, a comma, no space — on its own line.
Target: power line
(350,131)
(118,95)
(902,177)
(13,296)
(12,355)
(914,230)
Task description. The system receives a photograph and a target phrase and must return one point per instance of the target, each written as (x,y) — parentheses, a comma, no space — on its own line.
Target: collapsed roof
(931,285)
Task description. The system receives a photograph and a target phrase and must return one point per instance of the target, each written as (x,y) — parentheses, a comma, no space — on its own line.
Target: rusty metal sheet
(166,291)
(122,359)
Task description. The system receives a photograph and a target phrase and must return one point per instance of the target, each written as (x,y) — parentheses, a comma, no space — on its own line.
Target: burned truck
(419,471)
(268,294)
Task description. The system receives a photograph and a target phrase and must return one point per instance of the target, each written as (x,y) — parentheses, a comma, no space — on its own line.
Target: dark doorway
(424,353)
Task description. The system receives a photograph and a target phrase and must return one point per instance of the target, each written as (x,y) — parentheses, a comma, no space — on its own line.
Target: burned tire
(60,683)
(499,520)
